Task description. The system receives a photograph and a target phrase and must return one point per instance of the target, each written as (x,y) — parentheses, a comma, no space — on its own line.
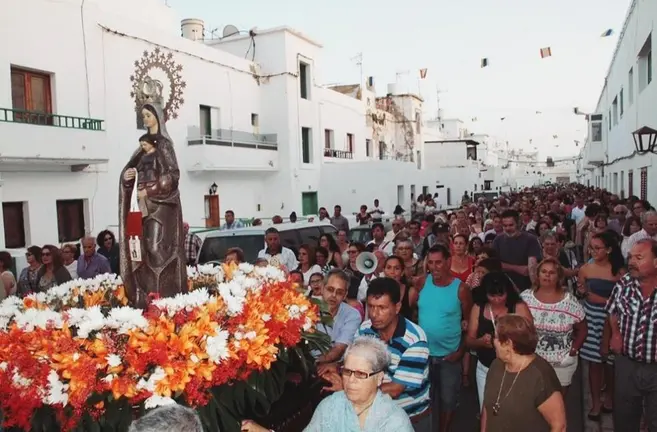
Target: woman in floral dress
(559,319)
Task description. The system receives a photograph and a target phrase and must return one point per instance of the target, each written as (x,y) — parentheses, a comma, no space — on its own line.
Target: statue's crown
(150,91)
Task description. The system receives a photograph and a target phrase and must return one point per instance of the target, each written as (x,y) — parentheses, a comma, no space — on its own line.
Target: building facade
(627,103)
(258,124)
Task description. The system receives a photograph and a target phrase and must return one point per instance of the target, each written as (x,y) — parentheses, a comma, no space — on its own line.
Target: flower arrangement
(78,356)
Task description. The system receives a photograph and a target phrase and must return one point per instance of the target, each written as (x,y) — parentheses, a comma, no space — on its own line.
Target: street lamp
(645,140)
(213,189)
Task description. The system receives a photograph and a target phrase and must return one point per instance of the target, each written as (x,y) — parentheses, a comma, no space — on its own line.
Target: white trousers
(480,375)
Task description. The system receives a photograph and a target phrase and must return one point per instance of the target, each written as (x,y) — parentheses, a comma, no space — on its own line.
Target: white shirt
(578,213)
(385,246)
(633,239)
(376,213)
(311,271)
(73,269)
(286,258)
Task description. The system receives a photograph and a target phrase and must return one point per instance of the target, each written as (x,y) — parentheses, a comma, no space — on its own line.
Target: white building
(257,123)
(627,103)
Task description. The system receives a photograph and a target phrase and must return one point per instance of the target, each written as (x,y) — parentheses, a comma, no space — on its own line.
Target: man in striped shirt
(632,309)
(407,377)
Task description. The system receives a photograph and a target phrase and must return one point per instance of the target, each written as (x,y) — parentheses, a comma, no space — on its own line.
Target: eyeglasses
(45,254)
(335,291)
(358,374)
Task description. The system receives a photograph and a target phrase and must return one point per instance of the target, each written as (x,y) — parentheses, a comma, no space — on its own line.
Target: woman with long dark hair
(335,255)
(597,279)
(500,298)
(52,272)
(394,269)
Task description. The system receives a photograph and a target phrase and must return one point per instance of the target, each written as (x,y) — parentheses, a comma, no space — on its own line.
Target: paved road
(466,417)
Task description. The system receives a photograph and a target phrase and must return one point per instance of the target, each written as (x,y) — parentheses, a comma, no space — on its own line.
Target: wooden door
(212,218)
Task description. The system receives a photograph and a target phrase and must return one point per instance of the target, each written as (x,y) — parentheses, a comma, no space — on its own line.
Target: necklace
(496,405)
(358,414)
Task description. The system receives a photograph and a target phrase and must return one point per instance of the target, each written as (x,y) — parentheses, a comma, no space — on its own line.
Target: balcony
(231,150)
(594,154)
(338,154)
(51,139)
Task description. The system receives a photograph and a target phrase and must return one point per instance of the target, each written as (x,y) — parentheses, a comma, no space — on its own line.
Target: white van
(252,239)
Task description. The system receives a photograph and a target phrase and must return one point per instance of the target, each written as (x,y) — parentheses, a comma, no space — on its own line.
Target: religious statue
(153,259)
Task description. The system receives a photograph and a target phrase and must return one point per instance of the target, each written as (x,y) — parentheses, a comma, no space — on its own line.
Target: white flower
(157,375)
(307,324)
(217,346)
(113,360)
(34,318)
(109,378)
(294,311)
(20,381)
(250,335)
(57,391)
(125,319)
(266,317)
(158,401)
(246,268)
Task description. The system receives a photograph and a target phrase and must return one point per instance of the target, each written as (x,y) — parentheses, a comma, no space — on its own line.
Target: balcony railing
(233,138)
(11,115)
(338,154)
(399,157)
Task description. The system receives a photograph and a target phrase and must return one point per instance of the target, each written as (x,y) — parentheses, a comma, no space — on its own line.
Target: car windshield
(214,248)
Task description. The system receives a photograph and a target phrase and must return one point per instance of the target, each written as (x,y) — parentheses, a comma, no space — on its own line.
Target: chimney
(192,29)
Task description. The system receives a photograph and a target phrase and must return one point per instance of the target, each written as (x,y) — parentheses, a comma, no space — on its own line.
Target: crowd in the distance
(50,265)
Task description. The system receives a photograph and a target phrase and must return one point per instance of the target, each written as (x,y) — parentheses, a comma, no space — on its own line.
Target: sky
(449,38)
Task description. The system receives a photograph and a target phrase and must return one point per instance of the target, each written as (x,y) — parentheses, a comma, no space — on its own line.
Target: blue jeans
(445,378)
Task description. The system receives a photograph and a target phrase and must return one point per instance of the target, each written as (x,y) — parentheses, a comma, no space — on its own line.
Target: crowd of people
(530,285)
(509,295)
(50,265)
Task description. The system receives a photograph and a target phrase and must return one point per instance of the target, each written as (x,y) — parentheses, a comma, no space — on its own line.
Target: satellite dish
(230,30)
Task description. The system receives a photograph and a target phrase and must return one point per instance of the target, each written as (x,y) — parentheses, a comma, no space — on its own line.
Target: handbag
(134,227)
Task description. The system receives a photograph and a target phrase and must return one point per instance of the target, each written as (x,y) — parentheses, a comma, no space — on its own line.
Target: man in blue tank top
(444,307)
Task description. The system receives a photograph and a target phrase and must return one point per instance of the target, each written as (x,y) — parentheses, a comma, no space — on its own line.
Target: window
(14,223)
(382,150)
(350,143)
(615,184)
(70,220)
(488,185)
(630,183)
(328,139)
(30,91)
(310,235)
(622,185)
(449,196)
(306,145)
(368,147)
(614,110)
(644,183)
(205,115)
(304,80)
(419,159)
(645,64)
(418,122)
(255,121)
(630,87)
(620,101)
(609,117)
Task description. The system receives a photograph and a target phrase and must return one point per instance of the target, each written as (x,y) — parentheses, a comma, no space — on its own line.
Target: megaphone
(366,263)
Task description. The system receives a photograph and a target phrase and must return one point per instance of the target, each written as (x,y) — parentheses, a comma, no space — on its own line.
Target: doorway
(309,203)
(400,195)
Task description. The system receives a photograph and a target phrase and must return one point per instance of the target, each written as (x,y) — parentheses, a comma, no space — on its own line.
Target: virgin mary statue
(153,171)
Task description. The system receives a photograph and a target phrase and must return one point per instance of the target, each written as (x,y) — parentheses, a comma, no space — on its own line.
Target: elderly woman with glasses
(361,406)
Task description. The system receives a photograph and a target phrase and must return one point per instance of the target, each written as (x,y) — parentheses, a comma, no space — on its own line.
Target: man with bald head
(91,263)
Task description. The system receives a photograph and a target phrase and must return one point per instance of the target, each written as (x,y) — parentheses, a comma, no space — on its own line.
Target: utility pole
(358,58)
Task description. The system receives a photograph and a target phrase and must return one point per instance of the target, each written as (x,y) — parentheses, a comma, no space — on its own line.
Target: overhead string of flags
(545,52)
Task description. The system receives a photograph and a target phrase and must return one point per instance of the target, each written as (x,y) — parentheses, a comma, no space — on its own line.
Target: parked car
(252,239)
